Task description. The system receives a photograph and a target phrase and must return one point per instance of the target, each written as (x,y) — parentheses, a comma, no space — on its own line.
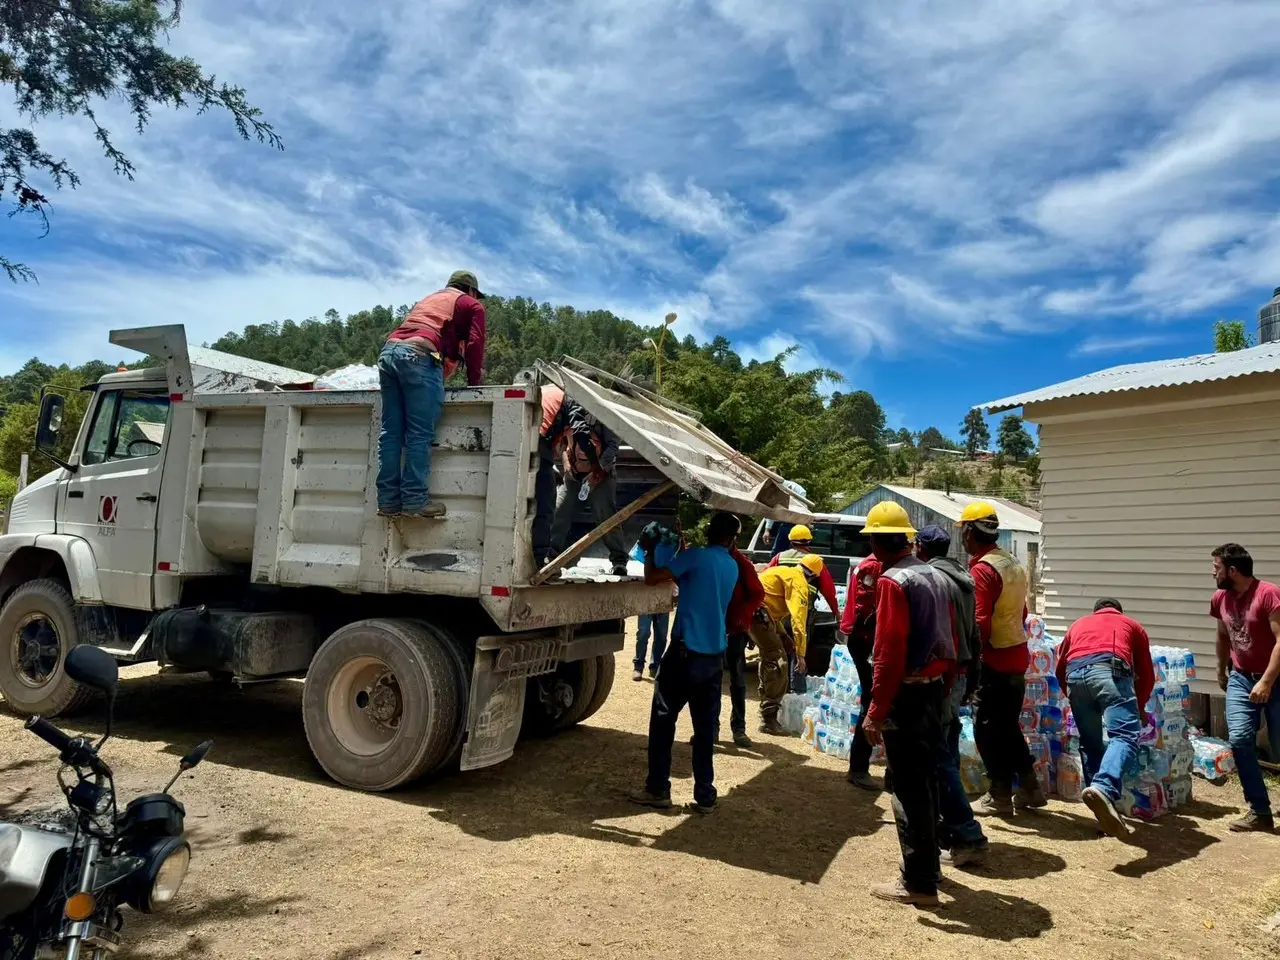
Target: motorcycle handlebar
(50,734)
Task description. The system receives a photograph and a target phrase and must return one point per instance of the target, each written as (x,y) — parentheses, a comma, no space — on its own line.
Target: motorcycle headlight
(154,886)
(169,876)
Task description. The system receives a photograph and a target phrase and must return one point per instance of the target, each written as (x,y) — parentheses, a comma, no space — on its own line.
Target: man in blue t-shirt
(693,665)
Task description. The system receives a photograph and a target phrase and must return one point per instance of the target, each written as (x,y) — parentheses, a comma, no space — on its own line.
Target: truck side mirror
(49,427)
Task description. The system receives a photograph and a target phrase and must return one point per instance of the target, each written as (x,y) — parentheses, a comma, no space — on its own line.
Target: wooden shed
(1145,469)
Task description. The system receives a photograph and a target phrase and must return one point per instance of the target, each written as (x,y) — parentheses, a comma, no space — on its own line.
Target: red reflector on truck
(164,565)
(500,591)
(175,398)
(515,394)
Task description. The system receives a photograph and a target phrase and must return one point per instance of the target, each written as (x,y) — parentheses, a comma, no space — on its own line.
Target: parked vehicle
(63,884)
(839,540)
(220,516)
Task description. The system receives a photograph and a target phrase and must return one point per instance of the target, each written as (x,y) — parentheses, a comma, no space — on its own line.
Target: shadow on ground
(574,784)
(988,915)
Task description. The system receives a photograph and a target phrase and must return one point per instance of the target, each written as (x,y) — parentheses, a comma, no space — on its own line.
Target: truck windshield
(126,426)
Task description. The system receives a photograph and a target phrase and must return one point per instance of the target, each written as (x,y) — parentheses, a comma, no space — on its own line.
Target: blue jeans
(1244,719)
(412,401)
(1098,698)
(657,623)
(957,826)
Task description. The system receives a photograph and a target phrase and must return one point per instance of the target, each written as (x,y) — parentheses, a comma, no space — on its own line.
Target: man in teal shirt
(693,665)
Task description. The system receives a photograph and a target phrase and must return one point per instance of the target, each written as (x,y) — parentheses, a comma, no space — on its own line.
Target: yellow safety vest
(1007,628)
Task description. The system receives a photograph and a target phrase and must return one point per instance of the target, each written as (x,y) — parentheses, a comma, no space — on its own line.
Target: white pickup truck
(218,515)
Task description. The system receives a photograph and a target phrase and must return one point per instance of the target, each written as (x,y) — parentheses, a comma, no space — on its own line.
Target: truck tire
(37,630)
(556,701)
(462,666)
(606,668)
(380,703)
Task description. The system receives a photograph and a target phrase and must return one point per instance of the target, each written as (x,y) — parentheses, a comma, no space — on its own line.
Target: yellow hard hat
(978,510)
(800,534)
(888,517)
(813,563)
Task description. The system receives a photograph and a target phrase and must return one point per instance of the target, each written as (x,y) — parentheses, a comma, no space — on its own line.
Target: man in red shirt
(858,630)
(1000,607)
(915,658)
(439,332)
(1248,613)
(747,597)
(1104,663)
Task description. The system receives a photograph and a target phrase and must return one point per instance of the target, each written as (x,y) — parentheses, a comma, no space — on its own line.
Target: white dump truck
(215,514)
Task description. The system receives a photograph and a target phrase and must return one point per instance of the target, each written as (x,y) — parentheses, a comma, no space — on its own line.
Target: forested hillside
(834,447)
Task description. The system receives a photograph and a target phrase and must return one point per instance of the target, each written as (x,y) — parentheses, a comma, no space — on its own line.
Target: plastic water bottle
(809,726)
(584,491)
(1070,777)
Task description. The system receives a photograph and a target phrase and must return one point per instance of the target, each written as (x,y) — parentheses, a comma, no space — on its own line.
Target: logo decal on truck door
(107,516)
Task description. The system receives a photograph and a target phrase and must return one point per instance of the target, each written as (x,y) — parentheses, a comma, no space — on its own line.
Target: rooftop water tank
(1269,320)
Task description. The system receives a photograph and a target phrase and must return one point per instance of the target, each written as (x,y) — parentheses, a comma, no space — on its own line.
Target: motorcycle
(62,884)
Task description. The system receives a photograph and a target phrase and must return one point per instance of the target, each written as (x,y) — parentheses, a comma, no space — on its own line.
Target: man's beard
(1224,583)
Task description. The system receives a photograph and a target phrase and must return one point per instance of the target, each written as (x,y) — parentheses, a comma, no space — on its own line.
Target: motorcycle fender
(25,853)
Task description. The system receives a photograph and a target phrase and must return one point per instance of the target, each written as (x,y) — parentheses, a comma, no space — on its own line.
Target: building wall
(1137,493)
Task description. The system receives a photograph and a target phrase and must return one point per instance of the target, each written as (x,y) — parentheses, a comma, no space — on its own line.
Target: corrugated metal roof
(1013,516)
(1202,368)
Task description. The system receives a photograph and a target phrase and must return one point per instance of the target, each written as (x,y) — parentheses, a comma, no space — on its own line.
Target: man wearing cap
(780,631)
(441,331)
(959,834)
(915,657)
(1000,601)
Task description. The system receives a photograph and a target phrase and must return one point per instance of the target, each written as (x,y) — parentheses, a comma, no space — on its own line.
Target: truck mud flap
(498,682)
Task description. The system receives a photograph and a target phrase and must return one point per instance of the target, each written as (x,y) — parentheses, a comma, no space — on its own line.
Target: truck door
(111,500)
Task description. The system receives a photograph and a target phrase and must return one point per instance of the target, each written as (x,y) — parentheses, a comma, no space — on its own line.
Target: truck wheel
(462,666)
(380,704)
(37,631)
(605,670)
(556,701)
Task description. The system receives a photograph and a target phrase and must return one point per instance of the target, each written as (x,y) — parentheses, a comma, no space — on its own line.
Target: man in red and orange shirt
(915,660)
(858,627)
(441,331)
(747,597)
(1000,606)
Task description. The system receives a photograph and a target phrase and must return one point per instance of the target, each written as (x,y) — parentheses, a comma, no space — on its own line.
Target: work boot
(772,727)
(389,512)
(637,674)
(1254,823)
(432,510)
(897,892)
(653,671)
(740,739)
(994,805)
(864,780)
(1030,796)
(965,856)
(1105,812)
(703,809)
(657,801)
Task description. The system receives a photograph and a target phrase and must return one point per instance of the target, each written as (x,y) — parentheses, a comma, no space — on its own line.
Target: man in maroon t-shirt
(1248,613)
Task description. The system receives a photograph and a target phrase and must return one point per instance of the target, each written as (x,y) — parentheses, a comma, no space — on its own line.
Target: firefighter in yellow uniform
(780,629)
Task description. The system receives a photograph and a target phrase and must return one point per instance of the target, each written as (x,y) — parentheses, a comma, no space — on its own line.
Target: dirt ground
(543,857)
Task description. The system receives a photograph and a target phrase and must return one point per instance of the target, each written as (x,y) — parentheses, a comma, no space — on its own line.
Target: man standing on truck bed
(441,331)
(1000,601)
(693,665)
(590,458)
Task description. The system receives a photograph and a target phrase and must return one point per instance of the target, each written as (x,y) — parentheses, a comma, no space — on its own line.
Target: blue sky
(946,202)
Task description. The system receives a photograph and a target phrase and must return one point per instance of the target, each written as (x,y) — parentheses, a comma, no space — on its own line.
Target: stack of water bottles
(1212,758)
(1045,717)
(826,715)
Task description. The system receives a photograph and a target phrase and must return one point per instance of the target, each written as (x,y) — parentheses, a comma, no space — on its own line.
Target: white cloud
(692,210)
(1117,345)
